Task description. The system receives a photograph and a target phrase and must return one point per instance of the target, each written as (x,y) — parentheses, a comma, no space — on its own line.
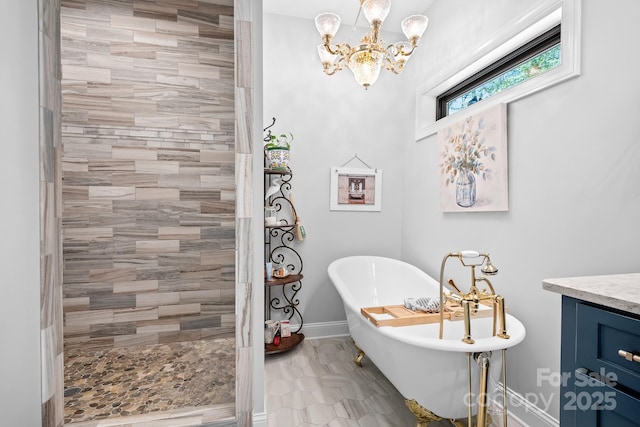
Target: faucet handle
(453,285)
(469,254)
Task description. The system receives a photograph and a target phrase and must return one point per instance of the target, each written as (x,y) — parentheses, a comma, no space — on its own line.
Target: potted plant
(277,148)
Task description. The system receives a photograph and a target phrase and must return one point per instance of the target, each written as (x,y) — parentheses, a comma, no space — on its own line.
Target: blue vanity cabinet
(601,377)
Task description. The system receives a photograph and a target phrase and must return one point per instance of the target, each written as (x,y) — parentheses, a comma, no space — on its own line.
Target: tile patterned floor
(318,384)
(123,382)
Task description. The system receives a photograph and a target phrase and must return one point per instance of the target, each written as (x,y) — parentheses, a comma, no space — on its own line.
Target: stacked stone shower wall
(148,171)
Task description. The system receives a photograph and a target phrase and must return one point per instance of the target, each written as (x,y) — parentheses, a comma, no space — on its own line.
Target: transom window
(532,59)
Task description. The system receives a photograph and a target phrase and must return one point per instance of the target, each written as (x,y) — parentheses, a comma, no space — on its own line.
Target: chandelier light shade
(369,57)
(325,55)
(414,26)
(376,10)
(328,23)
(366,66)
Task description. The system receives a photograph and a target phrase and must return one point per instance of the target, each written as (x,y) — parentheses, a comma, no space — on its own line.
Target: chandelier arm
(338,49)
(327,45)
(330,73)
(391,66)
(342,49)
(399,50)
(330,69)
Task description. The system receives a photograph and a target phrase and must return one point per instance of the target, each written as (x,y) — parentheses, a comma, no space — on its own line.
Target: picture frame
(356,189)
(472,163)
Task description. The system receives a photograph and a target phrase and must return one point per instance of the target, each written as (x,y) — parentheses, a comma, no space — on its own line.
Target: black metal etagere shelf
(281,293)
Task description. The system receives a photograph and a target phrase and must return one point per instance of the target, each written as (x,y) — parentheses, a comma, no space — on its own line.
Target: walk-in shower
(147,181)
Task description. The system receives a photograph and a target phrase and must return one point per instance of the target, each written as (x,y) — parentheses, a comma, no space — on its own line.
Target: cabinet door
(599,404)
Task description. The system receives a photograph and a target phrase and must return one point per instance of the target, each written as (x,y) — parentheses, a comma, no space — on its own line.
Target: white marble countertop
(620,291)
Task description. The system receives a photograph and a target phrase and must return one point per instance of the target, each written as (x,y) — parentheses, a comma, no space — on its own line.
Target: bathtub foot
(423,415)
(463,422)
(359,356)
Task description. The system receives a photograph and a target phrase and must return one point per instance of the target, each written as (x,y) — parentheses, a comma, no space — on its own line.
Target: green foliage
(535,66)
(278,141)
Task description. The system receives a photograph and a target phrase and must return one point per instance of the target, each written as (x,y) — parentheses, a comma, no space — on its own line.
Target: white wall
(332,119)
(574,200)
(20,256)
(455,26)
(573,174)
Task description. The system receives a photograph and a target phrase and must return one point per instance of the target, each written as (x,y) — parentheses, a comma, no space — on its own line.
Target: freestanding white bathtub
(421,366)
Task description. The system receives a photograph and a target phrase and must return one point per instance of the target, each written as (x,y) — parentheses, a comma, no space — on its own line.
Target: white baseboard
(524,412)
(260,420)
(324,329)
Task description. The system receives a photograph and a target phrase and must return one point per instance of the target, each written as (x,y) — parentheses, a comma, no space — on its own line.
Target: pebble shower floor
(106,383)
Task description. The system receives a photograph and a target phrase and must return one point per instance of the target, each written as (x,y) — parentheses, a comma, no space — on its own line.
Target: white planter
(278,157)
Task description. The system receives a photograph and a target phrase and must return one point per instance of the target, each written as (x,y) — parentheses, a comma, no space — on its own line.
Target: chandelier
(367,58)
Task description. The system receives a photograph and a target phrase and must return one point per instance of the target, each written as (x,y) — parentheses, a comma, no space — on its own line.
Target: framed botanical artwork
(356,189)
(473,163)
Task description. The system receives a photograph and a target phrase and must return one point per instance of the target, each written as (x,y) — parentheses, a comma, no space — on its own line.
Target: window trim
(522,54)
(542,17)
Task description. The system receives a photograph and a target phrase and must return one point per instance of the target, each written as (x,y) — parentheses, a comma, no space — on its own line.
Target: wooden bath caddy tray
(402,316)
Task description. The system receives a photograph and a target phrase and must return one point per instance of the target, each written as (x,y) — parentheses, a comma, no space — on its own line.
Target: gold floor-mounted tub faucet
(470,300)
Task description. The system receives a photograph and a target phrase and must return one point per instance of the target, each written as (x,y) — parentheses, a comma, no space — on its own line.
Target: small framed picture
(356,189)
